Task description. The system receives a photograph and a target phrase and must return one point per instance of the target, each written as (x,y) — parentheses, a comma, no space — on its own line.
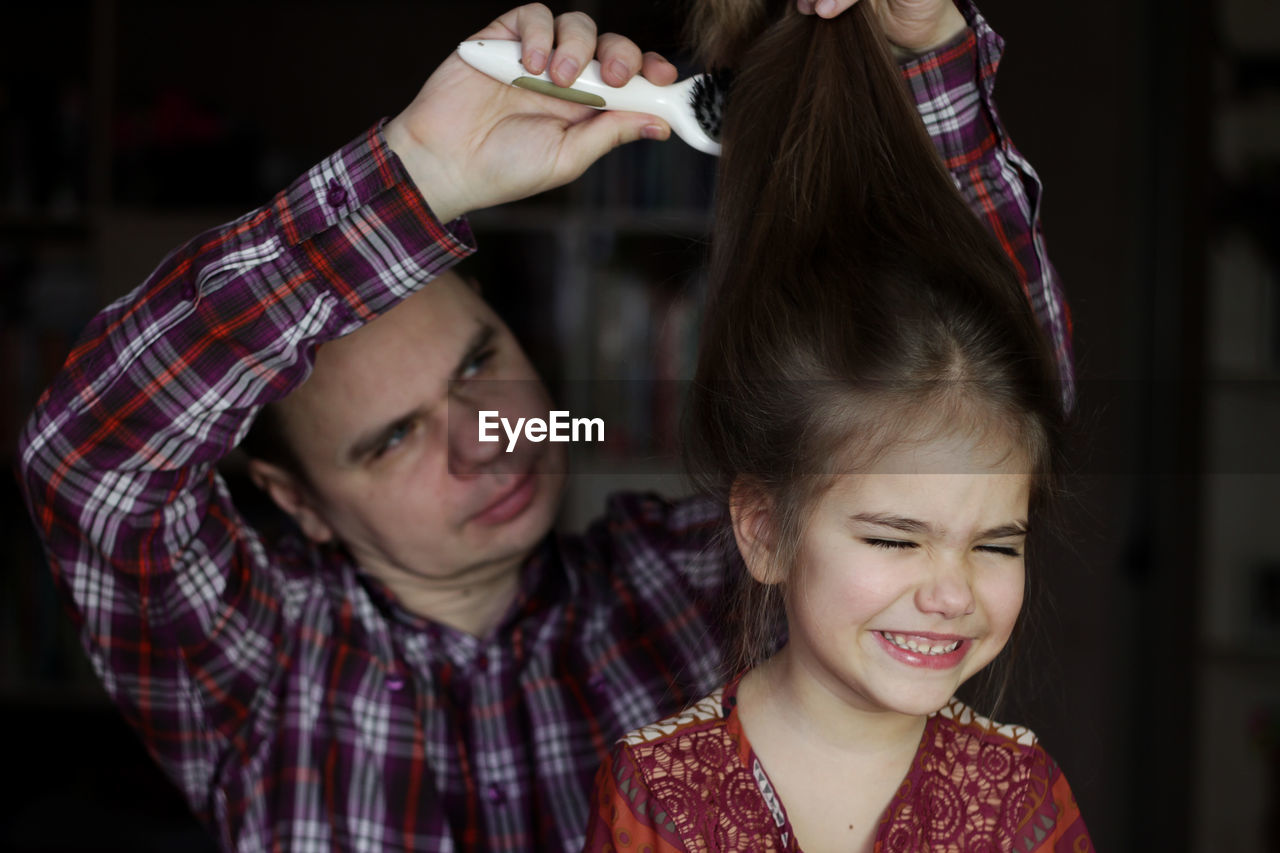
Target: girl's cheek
(1006,600)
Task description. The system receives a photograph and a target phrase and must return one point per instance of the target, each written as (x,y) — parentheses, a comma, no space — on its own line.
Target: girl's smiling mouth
(930,651)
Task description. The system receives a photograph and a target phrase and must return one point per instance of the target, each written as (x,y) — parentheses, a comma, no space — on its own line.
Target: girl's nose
(947,591)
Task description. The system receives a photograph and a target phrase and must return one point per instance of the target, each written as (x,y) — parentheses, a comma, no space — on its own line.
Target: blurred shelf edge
(688,223)
(1241,651)
(1261,377)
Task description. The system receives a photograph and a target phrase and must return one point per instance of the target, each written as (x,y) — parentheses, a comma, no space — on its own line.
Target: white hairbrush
(691,106)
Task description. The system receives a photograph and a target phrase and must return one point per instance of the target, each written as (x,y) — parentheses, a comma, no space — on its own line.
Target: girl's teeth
(911,644)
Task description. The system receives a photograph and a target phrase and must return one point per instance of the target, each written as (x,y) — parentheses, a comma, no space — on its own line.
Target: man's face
(386,430)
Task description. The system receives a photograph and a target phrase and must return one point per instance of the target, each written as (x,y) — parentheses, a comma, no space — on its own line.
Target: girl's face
(910,575)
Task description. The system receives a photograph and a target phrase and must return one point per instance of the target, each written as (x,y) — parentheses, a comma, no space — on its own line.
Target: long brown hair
(854,298)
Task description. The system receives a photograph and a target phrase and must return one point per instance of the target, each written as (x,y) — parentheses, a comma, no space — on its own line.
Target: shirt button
(337,195)
(596,683)
(495,795)
(395,683)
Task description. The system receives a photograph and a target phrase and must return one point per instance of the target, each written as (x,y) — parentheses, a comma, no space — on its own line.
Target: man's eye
(890,544)
(393,439)
(476,364)
(1003,550)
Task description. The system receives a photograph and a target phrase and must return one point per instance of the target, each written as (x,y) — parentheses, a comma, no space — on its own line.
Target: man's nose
(468,455)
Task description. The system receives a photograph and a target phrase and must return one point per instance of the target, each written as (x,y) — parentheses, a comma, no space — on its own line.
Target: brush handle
(501,61)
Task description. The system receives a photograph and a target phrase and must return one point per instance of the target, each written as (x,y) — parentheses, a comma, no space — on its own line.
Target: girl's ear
(751,511)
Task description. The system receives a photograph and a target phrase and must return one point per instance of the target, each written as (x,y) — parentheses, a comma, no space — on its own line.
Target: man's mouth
(511,501)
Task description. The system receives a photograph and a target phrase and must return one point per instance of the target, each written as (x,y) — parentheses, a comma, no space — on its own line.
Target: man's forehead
(410,351)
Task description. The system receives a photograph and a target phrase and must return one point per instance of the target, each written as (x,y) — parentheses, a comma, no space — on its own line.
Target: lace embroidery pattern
(711,798)
(706,709)
(966,716)
(974,786)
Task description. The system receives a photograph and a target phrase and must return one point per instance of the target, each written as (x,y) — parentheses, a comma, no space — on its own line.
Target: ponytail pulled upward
(855,301)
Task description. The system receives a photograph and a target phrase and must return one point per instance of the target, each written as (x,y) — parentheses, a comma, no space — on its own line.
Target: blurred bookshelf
(129,126)
(1238,754)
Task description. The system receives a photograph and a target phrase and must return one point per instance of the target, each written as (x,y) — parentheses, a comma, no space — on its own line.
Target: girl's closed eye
(891,544)
(1003,550)
(901,545)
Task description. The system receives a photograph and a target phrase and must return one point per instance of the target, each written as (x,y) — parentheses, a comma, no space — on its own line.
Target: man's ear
(292,496)
(751,511)
(469,279)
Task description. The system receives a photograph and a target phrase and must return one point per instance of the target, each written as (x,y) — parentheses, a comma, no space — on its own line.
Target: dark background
(129,125)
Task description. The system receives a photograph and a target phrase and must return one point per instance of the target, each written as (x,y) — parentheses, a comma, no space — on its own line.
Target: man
(425,667)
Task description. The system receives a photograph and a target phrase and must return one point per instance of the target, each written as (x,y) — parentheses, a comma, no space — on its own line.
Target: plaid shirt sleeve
(177,602)
(953,89)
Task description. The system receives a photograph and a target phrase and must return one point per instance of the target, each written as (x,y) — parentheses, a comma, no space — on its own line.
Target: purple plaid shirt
(293,701)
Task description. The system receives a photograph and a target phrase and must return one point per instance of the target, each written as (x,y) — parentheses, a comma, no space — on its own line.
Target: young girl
(878,411)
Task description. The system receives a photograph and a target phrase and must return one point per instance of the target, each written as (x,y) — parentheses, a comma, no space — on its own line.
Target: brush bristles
(708,97)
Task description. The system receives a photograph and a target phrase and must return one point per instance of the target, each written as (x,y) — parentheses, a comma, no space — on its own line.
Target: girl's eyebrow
(912,525)
(897,522)
(1005,531)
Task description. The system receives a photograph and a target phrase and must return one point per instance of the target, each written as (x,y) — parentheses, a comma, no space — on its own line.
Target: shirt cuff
(365,228)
